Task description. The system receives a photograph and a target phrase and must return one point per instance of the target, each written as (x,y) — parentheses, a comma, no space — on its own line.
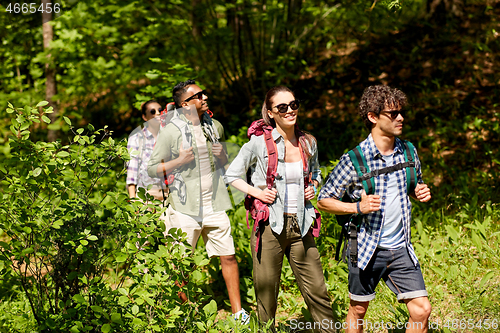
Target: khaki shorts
(214,227)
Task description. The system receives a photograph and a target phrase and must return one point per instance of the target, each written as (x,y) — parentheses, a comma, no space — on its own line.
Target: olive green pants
(303,257)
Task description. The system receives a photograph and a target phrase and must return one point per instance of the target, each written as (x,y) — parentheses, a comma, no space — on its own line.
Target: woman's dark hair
(376,98)
(306,140)
(144,106)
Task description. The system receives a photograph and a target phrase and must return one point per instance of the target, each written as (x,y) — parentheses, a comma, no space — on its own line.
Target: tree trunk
(50,72)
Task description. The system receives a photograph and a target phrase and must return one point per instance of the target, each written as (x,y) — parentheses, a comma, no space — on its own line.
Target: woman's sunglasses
(394,113)
(198,95)
(153,111)
(283,108)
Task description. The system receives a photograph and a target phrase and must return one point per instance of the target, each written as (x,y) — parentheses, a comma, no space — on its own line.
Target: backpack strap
(187,137)
(361,166)
(272,161)
(307,181)
(411,171)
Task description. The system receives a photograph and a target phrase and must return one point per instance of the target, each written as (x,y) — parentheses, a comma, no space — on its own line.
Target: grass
(458,251)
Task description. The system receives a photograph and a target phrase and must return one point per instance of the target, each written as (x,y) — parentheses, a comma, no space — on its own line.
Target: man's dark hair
(179,90)
(376,98)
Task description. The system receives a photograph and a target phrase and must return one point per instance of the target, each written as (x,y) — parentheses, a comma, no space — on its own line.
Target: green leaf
(37,172)
(79,299)
(210,308)
(92,238)
(121,257)
(80,130)
(106,328)
(116,317)
(66,119)
(486,278)
(452,232)
(477,240)
(79,250)
(46,119)
(96,308)
(62,154)
(41,104)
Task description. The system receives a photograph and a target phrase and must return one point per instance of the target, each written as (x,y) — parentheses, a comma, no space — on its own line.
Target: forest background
(68,233)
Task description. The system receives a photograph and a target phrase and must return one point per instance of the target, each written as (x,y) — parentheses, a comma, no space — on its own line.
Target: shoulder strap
(411,172)
(361,166)
(272,161)
(184,128)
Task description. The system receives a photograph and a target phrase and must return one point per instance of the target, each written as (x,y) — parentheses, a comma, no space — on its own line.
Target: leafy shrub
(87,258)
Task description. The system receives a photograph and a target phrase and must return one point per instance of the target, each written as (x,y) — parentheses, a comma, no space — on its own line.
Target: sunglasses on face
(153,111)
(394,113)
(283,108)
(198,95)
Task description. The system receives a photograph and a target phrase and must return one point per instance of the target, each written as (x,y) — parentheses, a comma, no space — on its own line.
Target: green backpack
(350,223)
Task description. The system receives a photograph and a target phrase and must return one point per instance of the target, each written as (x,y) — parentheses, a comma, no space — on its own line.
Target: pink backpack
(258,209)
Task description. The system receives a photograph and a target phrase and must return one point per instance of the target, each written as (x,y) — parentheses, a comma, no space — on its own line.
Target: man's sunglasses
(283,108)
(198,95)
(153,111)
(394,113)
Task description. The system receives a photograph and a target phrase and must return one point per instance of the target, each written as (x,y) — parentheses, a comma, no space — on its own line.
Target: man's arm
(422,192)
(131,188)
(368,204)
(185,157)
(219,154)
(162,161)
(339,180)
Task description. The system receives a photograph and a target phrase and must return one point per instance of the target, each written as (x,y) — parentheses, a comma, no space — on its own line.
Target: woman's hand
(267,195)
(309,193)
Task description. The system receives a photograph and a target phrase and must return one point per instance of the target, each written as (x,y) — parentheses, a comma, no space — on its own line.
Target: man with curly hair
(383,238)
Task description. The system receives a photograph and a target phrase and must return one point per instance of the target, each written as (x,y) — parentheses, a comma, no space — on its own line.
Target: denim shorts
(396,268)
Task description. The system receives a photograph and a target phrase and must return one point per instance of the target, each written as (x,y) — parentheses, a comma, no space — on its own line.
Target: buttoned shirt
(167,149)
(345,178)
(140,146)
(254,154)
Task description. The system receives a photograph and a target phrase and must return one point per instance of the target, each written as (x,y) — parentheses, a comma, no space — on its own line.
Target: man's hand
(267,195)
(185,155)
(309,193)
(369,203)
(218,150)
(422,193)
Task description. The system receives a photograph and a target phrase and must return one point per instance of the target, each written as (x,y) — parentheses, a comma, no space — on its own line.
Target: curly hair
(306,140)
(179,90)
(376,98)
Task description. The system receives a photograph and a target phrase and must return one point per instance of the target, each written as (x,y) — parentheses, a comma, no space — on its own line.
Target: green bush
(71,242)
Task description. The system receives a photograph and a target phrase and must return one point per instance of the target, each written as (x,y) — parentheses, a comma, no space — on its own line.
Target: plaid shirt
(344,178)
(140,146)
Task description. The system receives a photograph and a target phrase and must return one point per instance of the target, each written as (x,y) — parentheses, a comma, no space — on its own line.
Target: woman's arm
(266,196)
(238,168)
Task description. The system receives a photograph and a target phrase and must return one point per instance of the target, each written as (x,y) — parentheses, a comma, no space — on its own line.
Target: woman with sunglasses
(288,231)
(140,146)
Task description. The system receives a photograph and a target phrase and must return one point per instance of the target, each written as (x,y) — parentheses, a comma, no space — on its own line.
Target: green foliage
(85,257)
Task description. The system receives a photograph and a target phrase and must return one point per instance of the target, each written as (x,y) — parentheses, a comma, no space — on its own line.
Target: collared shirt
(344,178)
(167,148)
(140,146)
(254,154)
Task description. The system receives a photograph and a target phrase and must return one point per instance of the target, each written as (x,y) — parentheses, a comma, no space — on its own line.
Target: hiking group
(278,171)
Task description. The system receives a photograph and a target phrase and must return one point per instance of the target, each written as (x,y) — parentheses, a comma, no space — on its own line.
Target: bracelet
(315,190)
(358,208)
